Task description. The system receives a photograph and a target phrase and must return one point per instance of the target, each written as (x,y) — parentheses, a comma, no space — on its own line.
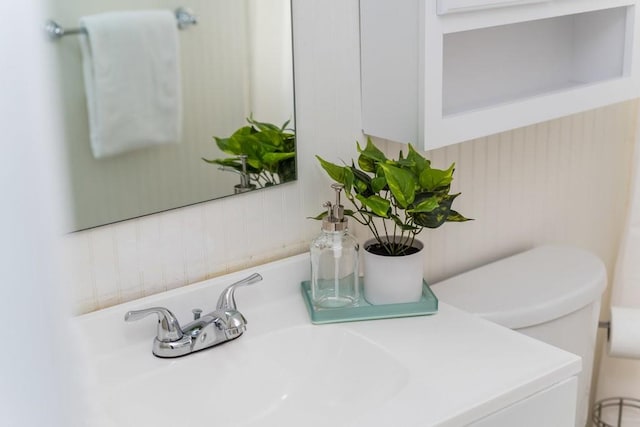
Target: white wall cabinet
(440,72)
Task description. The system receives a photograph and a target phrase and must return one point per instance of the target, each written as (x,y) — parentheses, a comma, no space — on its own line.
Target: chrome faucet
(245,179)
(223,324)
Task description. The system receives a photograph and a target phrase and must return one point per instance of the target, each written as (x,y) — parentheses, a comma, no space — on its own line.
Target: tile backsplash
(140,257)
(562,181)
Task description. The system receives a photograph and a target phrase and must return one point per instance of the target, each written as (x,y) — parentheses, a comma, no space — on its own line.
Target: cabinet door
(553,407)
(453,6)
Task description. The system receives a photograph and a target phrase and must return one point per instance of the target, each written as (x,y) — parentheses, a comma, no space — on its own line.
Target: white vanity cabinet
(438,72)
(449,369)
(550,407)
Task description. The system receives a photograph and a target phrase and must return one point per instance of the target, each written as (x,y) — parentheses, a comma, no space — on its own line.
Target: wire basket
(616,412)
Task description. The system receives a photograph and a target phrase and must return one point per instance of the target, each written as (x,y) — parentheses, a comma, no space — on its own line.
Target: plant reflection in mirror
(269,150)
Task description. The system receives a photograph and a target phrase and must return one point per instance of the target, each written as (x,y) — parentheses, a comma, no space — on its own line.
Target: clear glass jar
(334,270)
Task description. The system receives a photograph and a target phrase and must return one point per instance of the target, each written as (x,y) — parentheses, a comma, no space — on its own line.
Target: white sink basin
(447,369)
(264,380)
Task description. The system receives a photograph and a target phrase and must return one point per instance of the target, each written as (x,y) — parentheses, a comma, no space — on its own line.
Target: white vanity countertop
(447,369)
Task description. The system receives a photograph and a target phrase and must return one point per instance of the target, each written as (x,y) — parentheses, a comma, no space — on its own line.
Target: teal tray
(428,304)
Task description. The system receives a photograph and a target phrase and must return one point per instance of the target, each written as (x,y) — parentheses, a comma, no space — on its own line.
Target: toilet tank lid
(529,288)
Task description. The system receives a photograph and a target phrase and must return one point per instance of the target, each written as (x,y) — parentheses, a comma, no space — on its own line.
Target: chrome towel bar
(184,18)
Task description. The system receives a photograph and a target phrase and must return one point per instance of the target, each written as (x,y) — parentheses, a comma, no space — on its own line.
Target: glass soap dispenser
(334,260)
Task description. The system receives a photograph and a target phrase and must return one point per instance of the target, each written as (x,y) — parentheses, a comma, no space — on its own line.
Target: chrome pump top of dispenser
(335,220)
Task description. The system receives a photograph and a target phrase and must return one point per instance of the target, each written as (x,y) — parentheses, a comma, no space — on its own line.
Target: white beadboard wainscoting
(561,181)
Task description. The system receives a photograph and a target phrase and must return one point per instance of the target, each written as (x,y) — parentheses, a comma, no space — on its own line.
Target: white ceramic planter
(393,279)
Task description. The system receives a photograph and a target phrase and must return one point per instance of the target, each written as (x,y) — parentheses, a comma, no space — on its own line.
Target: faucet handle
(168,327)
(227,298)
(235,324)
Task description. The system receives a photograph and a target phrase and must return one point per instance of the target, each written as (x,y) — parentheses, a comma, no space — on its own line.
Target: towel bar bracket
(184,17)
(55,31)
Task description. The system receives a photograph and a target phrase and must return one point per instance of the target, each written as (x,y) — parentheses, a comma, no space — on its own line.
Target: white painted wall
(620,377)
(562,181)
(35,386)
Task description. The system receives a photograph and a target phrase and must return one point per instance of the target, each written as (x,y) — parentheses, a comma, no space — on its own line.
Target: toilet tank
(551,293)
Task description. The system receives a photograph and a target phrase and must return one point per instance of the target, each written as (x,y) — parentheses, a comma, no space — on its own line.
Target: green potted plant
(263,153)
(396,199)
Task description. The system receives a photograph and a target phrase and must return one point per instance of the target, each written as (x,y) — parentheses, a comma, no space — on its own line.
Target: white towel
(132,80)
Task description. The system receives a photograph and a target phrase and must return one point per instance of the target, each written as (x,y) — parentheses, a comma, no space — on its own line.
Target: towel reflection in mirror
(131,67)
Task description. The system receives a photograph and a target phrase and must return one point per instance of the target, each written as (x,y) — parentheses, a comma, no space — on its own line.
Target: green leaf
(211,161)
(361,182)
(366,164)
(420,163)
(284,125)
(433,219)
(320,216)
(288,142)
(250,146)
(378,205)
(401,183)
(287,170)
(432,179)
(274,158)
(340,174)
(263,126)
(438,216)
(455,216)
(227,145)
(244,131)
(269,148)
(370,156)
(270,140)
(323,214)
(448,198)
(405,163)
(426,205)
(231,162)
(378,184)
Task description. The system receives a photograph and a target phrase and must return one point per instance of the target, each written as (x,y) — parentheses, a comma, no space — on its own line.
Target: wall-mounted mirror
(235,63)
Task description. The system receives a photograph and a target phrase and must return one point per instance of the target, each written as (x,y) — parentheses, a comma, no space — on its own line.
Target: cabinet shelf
(496,65)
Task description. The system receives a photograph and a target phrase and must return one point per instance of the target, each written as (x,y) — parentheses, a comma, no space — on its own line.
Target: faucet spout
(227,299)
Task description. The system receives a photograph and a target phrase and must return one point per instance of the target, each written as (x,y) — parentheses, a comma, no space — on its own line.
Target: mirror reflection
(236,122)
